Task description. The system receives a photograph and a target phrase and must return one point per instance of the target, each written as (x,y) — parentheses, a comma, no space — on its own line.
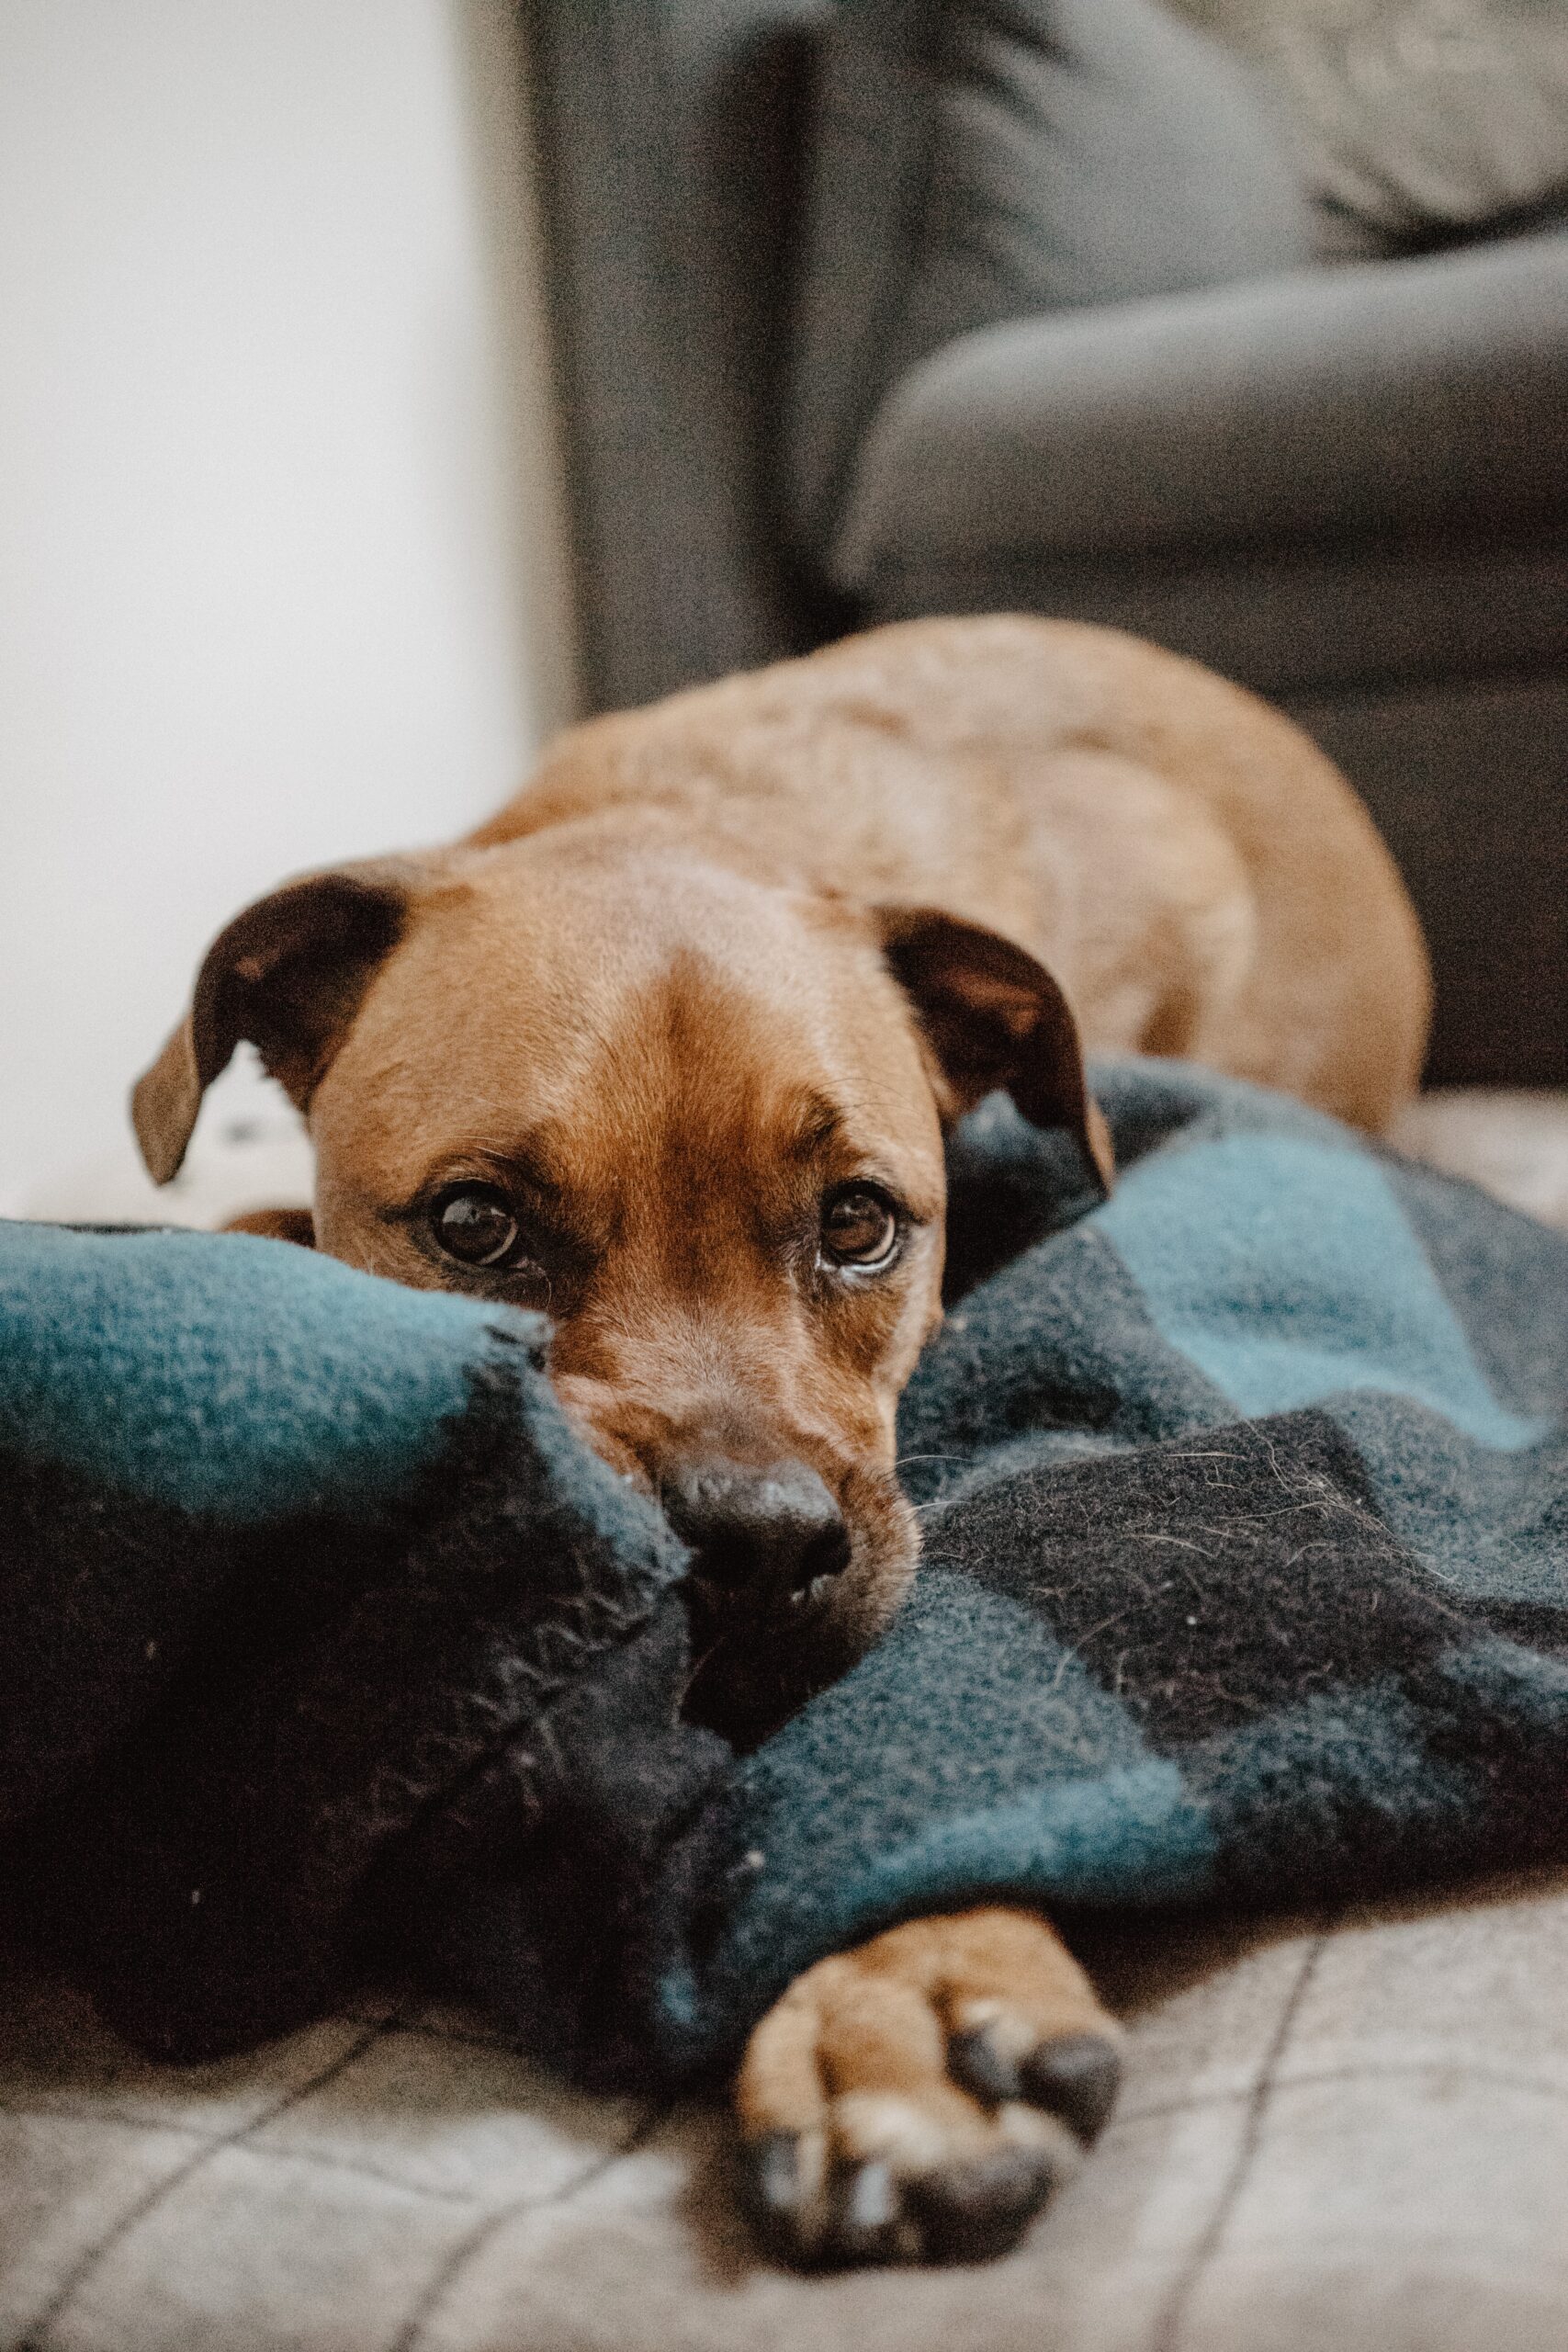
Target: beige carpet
(1351,2136)
(1513,1144)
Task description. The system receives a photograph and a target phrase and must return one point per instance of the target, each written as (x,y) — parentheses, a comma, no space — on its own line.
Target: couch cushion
(1413,117)
(994,159)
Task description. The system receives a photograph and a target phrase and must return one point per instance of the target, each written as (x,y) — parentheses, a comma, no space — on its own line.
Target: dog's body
(669,1046)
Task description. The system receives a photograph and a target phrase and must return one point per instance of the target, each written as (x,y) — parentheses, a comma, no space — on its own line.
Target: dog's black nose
(772,1532)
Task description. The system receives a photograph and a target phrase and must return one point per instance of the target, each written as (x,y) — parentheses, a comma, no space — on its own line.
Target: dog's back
(1198,874)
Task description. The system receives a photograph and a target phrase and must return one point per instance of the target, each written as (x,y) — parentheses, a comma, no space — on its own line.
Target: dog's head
(697,1119)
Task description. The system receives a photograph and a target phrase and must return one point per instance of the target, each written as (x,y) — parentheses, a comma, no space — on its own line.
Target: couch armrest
(1425,397)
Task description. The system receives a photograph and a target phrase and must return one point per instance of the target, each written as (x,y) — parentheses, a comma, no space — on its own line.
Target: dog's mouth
(745,1684)
(755,1663)
(716,1609)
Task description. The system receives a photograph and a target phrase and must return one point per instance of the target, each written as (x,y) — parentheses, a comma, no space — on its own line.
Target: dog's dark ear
(287,975)
(994,1017)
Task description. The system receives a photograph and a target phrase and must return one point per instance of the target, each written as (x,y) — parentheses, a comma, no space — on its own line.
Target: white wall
(282,573)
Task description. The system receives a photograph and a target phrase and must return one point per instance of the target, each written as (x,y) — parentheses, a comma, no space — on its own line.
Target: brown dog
(669,1047)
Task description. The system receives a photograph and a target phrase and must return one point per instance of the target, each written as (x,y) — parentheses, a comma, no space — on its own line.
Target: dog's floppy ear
(287,975)
(994,1017)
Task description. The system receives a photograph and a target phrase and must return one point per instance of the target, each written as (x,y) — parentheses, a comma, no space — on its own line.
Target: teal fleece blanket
(1245,1500)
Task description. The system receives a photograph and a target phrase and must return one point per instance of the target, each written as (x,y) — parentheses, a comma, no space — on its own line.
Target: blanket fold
(291,1562)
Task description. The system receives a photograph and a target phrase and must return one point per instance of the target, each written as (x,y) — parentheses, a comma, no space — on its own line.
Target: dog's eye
(860,1226)
(474,1225)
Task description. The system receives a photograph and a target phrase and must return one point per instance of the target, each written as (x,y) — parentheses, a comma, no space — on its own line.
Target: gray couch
(857,322)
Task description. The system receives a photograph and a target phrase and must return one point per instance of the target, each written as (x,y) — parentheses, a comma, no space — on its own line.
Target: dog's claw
(978,2065)
(869,2221)
(774,2167)
(1075,2076)
(960,2213)
(776,2192)
(971,2212)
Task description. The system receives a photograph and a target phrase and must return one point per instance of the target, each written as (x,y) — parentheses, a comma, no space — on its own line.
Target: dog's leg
(918,2100)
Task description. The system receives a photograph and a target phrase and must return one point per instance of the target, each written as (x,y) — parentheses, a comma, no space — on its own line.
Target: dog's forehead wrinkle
(704,1067)
(817,1123)
(617,935)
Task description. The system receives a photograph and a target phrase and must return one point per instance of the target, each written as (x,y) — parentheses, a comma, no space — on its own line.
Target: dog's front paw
(919,2099)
